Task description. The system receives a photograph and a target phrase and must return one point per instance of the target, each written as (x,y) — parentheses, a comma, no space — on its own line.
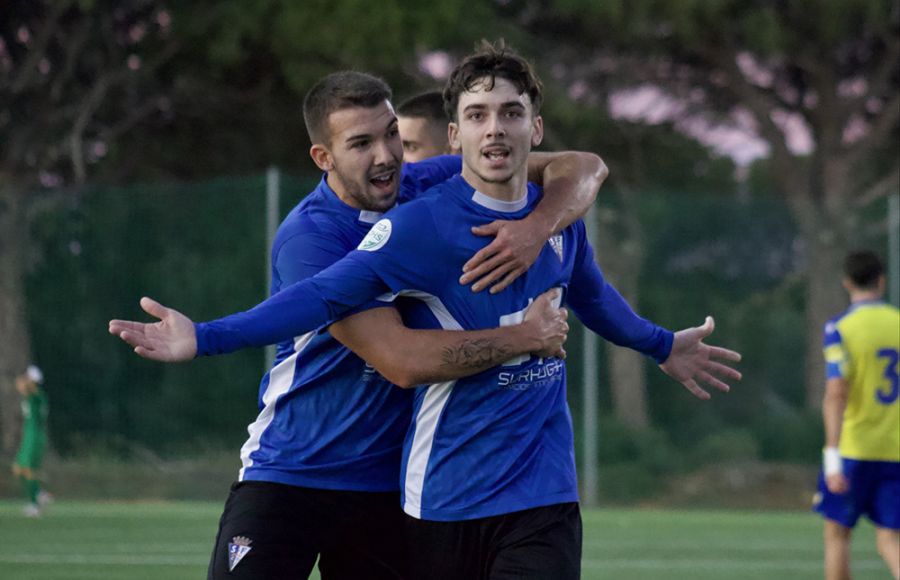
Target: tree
(818,81)
(116,91)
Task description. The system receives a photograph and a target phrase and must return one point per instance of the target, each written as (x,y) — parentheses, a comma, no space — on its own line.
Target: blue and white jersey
(494,443)
(328,420)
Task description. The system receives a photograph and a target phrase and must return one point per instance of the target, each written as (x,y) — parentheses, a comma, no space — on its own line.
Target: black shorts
(271,531)
(537,544)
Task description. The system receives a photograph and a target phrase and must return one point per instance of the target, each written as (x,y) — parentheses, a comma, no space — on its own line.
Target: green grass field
(171,541)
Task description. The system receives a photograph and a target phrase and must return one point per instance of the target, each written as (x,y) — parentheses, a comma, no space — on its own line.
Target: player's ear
(537,134)
(453,137)
(322,157)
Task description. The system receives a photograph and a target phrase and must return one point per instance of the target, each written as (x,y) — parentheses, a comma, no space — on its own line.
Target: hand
(837,483)
(172,339)
(513,251)
(549,324)
(691,360)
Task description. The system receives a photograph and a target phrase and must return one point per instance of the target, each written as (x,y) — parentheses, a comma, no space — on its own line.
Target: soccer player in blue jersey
(423,126)
(321,467)
(488,469)
(861,412)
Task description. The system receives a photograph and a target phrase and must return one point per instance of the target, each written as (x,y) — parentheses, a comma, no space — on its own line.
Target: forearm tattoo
(484,352)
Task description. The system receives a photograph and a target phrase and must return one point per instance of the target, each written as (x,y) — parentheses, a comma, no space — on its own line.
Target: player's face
(496,130)
(364,156)
(23,385)
(422,138)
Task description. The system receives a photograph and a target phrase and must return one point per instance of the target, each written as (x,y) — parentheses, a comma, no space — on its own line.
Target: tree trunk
(825,298)
(622,262)
(14,337)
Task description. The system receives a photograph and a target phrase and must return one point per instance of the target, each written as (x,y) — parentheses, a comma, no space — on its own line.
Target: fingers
(117,326)
(490,229)
(692,386)
(713,381)
(492,270)
(482,262)
(561,353)
(719,352)
(708,326)
(147,353)
(507,280)
(545,298)
(724,371)
(154,308)
(551,294)
(132,338)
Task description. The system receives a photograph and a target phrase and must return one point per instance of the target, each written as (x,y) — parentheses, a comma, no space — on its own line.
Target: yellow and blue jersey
(862,346)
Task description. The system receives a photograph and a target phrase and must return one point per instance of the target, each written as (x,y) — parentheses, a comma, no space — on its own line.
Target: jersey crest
(238,547)
(377,236)
(556,242)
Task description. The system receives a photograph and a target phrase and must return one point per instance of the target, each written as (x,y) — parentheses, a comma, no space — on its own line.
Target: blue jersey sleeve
(416,178)
(399,252)
(835,355)
(305,255)
(295,310)
(602,309)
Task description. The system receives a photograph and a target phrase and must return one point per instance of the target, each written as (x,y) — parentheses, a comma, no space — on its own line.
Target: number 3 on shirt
(886,397)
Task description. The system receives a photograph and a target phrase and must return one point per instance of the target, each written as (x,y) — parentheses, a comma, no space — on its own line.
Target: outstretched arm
(408,357)
(682,355)
(571,181)
(692,360)
(297,309)
(171,339)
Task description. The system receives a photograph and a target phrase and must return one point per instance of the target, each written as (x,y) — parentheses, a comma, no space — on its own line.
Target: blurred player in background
(488,471)
(861,412)
(320,471)
(34,438)
(423,127)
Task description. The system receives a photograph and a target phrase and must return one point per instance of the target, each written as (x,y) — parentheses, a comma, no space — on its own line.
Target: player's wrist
(832,463)
(527,338)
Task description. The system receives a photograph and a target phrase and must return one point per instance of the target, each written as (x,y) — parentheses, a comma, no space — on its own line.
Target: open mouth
(385,180)
(496,154)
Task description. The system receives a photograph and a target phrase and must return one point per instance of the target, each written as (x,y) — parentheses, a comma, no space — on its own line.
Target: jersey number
(890,395)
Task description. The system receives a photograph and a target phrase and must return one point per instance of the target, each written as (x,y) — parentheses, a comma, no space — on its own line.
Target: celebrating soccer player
(488,471)
(320,475)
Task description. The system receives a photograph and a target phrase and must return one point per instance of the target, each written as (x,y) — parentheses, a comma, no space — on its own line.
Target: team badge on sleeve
(238,547)
(377,236)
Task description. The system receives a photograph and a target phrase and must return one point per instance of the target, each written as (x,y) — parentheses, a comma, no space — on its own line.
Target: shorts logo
(556,242)
(377,236)
(237,549)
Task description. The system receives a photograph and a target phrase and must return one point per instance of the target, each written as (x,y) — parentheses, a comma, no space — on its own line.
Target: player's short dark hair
(428,106)
(340,90)
(492,60)
(863,268)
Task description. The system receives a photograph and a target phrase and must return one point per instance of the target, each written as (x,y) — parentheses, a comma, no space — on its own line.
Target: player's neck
(865,296)
(511,190)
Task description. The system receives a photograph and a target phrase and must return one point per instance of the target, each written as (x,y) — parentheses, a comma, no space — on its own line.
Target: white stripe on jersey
(420,452)
(281,377)
(427,419)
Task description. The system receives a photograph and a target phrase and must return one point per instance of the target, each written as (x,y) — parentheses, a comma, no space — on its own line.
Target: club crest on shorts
(377,236)
(238,547)
(556,242)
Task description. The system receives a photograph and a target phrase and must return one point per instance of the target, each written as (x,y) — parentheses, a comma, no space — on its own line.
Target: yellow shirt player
(861,412)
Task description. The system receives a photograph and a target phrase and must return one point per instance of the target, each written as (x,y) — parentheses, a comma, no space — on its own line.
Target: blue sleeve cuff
(665,348)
